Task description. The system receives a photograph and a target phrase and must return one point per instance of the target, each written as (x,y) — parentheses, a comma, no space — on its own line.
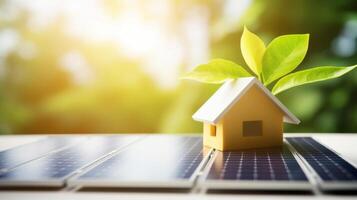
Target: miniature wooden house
(243,114)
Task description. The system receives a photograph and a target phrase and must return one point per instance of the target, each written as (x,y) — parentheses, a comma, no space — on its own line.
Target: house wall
(254,105)
(213,141)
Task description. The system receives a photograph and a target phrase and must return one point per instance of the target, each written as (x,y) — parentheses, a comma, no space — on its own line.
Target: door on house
(213,130)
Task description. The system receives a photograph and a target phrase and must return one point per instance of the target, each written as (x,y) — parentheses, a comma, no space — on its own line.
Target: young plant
(272,63)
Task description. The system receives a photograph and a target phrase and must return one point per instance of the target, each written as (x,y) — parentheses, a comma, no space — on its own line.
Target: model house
(243,114)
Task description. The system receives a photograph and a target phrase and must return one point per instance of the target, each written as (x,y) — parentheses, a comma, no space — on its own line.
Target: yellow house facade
(243,114)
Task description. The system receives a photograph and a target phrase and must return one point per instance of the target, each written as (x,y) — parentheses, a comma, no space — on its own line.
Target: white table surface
(344,144)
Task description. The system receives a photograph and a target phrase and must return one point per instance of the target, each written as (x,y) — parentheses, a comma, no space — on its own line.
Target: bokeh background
(106,66)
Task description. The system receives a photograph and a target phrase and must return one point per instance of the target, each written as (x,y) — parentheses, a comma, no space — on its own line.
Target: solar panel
(157,161)
(260,169)
(55,168)
(334,173)
(27,152)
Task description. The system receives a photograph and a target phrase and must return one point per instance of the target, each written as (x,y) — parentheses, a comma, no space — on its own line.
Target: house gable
(254,106)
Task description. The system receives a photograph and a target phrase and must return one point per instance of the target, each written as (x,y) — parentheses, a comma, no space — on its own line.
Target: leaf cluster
(269,64)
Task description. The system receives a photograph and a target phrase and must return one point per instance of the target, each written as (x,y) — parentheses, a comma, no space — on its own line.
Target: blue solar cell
(255,165)
(327,164)
(153,161)
(27,152)
(58,165)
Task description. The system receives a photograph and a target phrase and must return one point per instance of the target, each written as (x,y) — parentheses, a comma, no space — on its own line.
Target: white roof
(228,94)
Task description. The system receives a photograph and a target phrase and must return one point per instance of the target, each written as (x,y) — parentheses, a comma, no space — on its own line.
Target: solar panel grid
(58,165)
(159,161)
(258,164)
(27,152)
(191,160)
(327,164)
(188,156)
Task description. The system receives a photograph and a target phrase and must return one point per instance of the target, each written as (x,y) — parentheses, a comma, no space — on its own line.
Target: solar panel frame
(45,183)
(322,184)
(60,182)
(263,185)
(75,181)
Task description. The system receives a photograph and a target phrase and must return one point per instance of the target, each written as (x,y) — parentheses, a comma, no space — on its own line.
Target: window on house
(213,130)
(253,128)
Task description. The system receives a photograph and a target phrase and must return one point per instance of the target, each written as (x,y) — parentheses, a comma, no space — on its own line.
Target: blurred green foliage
(37,95)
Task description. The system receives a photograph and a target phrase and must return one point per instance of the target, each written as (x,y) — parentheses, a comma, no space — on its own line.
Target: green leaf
(310,76)
(253,49)
(216,71)
(283,55)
